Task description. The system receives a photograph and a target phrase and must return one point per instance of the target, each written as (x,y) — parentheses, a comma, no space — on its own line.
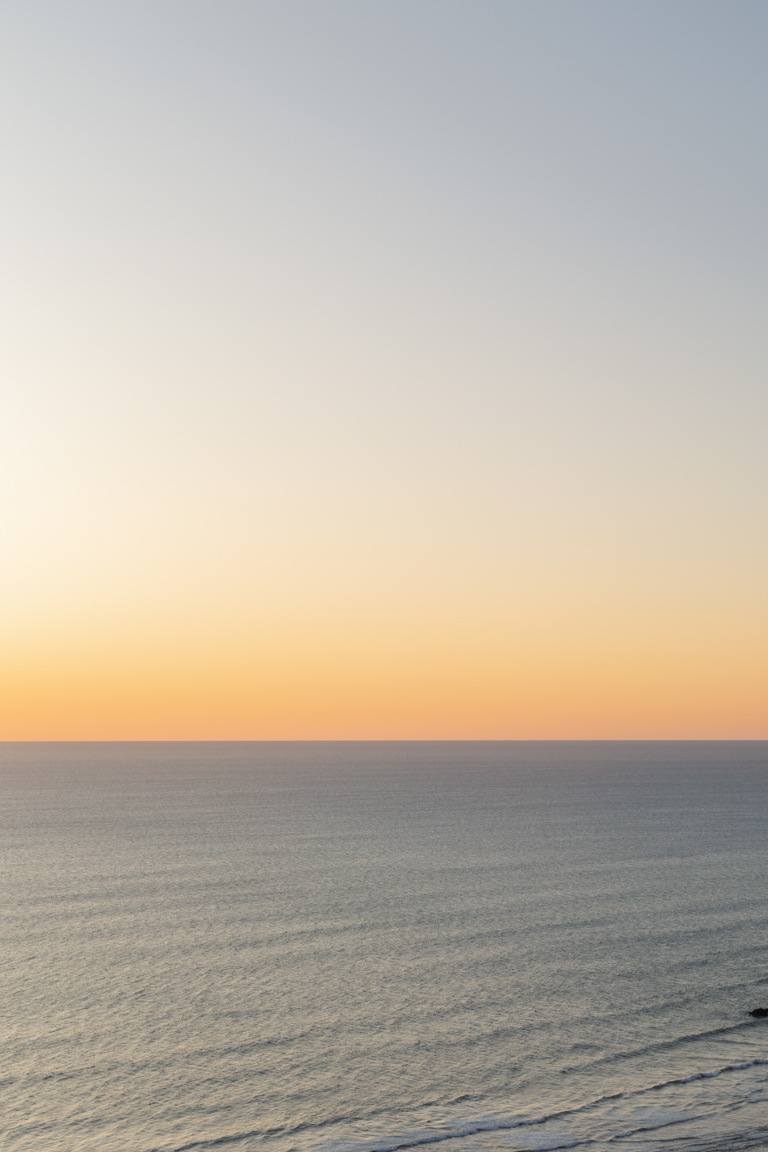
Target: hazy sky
(384,369)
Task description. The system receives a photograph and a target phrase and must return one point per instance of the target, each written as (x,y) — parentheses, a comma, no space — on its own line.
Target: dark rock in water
(759,1012)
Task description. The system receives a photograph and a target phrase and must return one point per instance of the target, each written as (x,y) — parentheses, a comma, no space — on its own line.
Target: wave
(666,1045)
(705,1075)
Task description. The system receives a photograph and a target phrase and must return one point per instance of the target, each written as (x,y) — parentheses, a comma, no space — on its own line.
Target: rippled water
(353,947)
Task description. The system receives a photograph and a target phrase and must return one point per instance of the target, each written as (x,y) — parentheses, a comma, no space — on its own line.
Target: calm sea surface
(359,947)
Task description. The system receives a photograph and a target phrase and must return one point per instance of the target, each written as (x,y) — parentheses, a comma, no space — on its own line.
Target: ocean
(363,947)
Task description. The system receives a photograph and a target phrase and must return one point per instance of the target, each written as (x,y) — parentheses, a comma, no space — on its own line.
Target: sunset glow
(384,371)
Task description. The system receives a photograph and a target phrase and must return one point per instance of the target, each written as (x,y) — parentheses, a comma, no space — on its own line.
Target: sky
(383,369)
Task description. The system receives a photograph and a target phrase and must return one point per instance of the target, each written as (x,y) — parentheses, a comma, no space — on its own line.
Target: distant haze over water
(357,946)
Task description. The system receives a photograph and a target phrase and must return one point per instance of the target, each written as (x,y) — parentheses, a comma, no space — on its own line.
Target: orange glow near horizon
(428,678)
